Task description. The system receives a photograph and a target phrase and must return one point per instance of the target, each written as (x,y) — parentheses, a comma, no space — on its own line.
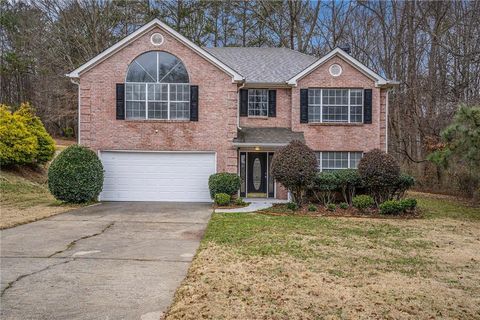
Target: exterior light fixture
(257,148)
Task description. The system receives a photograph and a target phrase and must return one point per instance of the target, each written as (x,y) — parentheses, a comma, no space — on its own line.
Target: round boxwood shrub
(363,202)
(380,173)
(222,199)
(295,166)
(391,207)
(408,204)
(223,182)
(76,175)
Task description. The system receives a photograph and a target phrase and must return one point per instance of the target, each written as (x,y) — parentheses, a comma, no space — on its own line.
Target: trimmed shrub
(324,186)
(404,182)
(408,204)
(18,145)
(312,207)
(292,206)
(331,207)
(380,173)
(46,144)
(240,202)
(76,175)
(391,207)
(348,181)
(295,166)
(363,202)
(223,182)
(222,199)
(343,205)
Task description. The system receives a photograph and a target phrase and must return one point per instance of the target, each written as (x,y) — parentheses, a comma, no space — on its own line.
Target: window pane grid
(258,102)
(338,160)
(165,101)
(335,105)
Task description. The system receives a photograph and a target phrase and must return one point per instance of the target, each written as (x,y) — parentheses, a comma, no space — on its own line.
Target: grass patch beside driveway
(253,266)
(25,198)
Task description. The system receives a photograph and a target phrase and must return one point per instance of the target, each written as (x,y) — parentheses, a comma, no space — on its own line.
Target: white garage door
(156,176)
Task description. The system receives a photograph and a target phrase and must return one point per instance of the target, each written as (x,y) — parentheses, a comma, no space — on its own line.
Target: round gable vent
(335,70)
(156,39)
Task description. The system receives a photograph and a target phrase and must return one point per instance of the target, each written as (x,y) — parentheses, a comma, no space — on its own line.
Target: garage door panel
(151,176)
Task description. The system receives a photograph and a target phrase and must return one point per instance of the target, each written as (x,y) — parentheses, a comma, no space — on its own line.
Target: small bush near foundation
(408,204)
(76,175)
(292,206)
(391,207)
(363,202)
(404,183)
(324,186)
(223,182)
(240,202)
(331,207)
(343,205)
(312,208)
(222,199)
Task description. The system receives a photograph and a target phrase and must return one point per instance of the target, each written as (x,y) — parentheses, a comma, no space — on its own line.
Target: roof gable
(236,77)
(379,80)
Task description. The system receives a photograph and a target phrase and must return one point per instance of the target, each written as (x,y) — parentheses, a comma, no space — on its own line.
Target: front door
(257,174)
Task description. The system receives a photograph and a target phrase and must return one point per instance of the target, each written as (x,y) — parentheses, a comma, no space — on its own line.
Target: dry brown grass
(252,266)
(24,197)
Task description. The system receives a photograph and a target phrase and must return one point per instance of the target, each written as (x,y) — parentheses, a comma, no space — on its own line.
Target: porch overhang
(249,137)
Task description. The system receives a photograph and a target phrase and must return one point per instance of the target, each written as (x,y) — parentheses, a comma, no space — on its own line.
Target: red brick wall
(284,111)
(214,131)
(341,137)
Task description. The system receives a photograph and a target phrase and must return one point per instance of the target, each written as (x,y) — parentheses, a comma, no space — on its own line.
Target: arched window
(156,87)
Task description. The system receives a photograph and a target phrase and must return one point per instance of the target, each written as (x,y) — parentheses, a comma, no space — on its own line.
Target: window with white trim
(157,87)
(335,105)
(337,160)
(257,102)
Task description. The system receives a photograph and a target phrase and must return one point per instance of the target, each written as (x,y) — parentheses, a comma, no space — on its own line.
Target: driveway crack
(72,244)
(20,277)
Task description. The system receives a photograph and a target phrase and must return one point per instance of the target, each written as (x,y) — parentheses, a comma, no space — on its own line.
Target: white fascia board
(379,80)
(249,144)
(236,77)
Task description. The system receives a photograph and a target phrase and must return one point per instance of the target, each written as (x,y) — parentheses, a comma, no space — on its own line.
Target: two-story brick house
(163,113)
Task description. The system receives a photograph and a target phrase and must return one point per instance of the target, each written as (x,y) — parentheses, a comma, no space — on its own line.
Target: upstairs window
(335,105)
(337,160)
(157,87)
(257,102)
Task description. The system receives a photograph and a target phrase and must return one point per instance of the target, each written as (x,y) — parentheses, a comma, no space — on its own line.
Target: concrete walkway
(255,204)
(109,261)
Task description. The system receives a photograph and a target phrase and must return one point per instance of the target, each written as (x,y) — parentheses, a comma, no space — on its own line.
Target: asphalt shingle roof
(263,65)
(268,135)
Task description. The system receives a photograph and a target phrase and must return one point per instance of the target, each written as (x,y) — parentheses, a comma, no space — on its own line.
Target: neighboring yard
(253,266)
(25,198)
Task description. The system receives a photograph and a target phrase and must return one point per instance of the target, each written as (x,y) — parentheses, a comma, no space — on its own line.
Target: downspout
(78,107)
(386,122)
(238,105)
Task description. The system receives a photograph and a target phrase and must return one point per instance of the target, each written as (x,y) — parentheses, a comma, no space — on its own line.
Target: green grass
(435,208)
(22,193)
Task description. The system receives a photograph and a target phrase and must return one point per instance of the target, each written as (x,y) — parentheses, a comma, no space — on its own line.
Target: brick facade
(218,99)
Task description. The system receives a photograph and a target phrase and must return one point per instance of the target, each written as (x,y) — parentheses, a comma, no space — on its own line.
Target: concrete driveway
(118,260)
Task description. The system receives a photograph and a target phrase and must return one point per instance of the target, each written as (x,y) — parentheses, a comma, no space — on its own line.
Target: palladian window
(157,87)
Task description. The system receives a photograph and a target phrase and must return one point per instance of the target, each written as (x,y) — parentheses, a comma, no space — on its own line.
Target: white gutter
(250,144)
(74,81)
(238,105)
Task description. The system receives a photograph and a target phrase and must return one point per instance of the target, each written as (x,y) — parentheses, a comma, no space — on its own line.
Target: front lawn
(254,266)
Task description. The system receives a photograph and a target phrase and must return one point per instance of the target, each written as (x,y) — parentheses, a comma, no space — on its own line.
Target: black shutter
(303,105)
(367,106)
(193,103)
(120,104)
(243,102)
(272,103)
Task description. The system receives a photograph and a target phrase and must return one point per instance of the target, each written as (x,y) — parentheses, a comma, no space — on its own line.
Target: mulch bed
(231,206)
(281,210)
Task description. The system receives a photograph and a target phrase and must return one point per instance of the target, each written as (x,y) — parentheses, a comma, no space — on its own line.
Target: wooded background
(432,48)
